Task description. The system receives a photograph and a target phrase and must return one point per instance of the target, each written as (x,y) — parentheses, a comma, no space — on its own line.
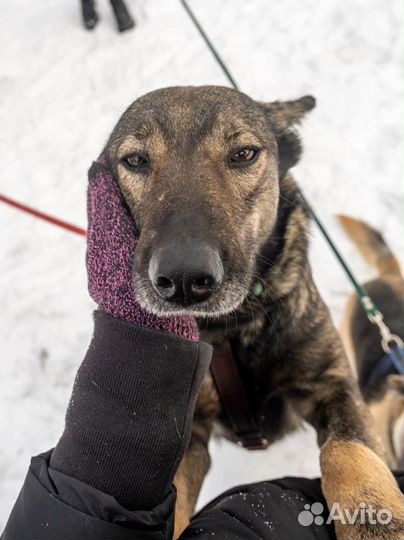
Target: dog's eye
(136,161)
(244,155)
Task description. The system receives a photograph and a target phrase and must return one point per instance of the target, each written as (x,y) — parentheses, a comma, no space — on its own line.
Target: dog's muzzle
(185,275)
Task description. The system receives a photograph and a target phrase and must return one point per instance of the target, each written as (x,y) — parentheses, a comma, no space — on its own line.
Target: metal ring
(391,339)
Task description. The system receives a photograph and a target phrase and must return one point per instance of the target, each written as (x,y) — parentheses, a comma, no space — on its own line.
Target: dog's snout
(185,288)
(186,276)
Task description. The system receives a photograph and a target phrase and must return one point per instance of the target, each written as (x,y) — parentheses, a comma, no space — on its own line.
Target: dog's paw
(363,497)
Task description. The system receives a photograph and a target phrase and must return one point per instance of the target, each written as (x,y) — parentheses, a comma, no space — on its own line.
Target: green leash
(368,305)
(373,313)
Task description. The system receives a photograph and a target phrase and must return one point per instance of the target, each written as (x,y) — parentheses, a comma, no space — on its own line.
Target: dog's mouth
(213,303)
(192,278)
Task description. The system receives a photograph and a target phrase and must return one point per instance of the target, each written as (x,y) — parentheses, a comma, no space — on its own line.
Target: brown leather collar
(234,399)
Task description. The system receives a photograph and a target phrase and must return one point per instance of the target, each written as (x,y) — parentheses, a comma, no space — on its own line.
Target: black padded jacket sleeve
(127,427)
(77,511)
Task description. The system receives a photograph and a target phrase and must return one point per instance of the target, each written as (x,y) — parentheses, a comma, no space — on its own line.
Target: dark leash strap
(391,363)
(235,402)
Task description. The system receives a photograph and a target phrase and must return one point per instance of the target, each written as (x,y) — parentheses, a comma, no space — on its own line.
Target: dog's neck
(274,246)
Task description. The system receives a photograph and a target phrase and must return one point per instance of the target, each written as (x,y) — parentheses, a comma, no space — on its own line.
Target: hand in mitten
(111,243)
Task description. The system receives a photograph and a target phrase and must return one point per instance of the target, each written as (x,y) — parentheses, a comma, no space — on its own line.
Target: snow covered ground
(62,90)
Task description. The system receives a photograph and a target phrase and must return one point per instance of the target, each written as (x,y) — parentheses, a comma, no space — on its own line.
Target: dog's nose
(186,276)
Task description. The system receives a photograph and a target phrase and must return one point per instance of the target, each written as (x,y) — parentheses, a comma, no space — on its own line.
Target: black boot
(90,17)
(122,15)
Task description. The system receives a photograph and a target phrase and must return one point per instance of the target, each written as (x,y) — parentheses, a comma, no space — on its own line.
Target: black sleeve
(77,511)
(127,427)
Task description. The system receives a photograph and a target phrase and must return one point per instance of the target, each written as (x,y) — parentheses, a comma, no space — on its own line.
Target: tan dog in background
(383,394)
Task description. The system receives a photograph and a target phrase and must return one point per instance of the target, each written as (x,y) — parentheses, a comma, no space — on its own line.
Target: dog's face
(199,168)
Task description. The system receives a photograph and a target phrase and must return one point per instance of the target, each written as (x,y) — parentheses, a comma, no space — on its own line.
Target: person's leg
(122,15)
(90,16)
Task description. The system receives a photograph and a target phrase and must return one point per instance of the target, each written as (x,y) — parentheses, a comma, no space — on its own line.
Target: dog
(381,386)
(223,236)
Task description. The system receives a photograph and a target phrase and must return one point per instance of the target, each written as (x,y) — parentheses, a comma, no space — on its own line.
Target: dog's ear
(283,117)
(286,114)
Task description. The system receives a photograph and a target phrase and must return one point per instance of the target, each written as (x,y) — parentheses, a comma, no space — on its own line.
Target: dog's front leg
(196,461)
(361,492)
(188,482)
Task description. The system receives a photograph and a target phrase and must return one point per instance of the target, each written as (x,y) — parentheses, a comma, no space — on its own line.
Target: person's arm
(129,418)
(127,427)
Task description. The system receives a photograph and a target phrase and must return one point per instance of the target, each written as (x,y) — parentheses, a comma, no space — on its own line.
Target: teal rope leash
(373,313)
(210,45)
(368,305)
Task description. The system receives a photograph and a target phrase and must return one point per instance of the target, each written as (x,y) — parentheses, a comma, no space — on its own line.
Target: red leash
(45,217)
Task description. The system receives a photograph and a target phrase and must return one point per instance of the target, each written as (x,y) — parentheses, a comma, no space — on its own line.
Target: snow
(62,90)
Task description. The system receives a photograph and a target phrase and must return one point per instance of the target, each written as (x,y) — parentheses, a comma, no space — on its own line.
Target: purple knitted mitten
(111,242)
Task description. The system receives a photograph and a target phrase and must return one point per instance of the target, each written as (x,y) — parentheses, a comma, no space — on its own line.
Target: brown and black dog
(205,174)
(381,386)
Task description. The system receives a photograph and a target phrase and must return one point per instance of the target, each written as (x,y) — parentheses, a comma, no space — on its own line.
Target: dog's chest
(261,374)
